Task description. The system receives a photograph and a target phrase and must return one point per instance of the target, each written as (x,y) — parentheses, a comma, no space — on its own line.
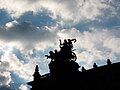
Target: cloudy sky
(29,29)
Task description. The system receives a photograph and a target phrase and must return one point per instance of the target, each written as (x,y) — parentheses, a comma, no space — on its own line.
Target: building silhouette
(65,74)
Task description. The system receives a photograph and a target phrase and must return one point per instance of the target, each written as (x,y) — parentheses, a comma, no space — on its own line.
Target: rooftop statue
(63,61)
(65,53)
(64,72)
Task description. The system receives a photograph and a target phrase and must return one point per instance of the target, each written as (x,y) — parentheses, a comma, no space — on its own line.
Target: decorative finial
(36,69)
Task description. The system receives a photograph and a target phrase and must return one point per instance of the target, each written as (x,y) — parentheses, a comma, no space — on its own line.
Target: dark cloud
(26,33)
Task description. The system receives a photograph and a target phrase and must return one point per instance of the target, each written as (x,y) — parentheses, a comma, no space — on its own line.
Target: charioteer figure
(65,53)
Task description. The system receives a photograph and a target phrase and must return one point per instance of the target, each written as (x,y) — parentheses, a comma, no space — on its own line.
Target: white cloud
(23,87)
(94,44)
(17,66)
(74,10)
(25,37)
(5,78)
(91,45)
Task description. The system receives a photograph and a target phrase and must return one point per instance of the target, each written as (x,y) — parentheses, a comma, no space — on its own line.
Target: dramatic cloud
(74,10)
(18,43)
(94,44)
(10,64)
(24,34)
(14,64)
(5,78)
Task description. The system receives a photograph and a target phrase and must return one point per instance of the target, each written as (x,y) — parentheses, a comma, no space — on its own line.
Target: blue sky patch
(39,19)
(4,17)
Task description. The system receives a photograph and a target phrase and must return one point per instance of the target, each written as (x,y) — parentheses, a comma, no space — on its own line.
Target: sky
(29,29)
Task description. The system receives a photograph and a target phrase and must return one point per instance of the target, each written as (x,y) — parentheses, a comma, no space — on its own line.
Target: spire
(36,73)
(36,69)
